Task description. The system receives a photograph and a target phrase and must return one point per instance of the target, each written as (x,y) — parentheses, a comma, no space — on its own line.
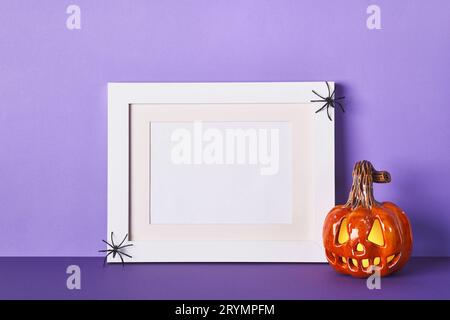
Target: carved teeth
(365,263)
(356,264)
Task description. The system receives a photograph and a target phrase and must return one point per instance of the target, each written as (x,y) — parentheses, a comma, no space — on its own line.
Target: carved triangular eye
(343,232)
(376,234)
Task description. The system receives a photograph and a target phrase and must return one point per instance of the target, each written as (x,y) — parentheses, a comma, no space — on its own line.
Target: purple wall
(53,110)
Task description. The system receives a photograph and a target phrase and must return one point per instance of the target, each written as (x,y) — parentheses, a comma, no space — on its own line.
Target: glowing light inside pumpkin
(376,234)
(365,263)
(343,232)
(389,259)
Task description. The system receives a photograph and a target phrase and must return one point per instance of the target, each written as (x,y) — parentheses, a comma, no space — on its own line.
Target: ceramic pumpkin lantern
(363,232)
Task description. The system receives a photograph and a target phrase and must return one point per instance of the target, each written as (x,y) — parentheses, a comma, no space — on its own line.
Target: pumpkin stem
(361,193)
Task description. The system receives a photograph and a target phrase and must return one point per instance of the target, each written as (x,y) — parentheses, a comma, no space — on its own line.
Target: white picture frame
(300,241)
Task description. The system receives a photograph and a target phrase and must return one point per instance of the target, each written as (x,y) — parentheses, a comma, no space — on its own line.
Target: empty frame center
(220,172)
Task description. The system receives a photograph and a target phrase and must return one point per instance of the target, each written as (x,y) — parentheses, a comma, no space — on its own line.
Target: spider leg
(107,243)
(323,107)
(123,240)
(107,250)
(340,105)
(127,245)
(328,113)
(112,238)
(318,94)
(120,255)
(125,254)
(340,98)
(332,95)
(328,87)
(106,258)
(318,101)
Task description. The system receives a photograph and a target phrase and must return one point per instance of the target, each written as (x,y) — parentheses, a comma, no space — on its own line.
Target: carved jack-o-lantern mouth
(356,264)
(364,233)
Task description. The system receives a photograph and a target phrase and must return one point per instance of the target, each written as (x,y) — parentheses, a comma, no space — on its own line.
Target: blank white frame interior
(296,237)
(219,172)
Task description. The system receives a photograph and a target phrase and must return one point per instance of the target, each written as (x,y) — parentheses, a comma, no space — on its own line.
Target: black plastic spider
(330,101)
(116,249)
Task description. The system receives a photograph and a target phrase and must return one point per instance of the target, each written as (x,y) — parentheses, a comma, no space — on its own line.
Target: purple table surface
(45,278)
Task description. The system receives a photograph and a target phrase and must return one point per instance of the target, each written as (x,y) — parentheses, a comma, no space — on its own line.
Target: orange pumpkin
(364,233)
